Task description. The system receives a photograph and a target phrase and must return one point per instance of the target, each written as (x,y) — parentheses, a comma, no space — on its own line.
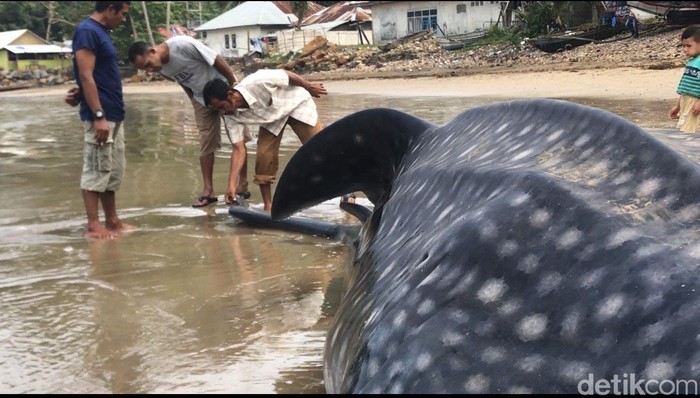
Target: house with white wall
(392,20)
(230,33)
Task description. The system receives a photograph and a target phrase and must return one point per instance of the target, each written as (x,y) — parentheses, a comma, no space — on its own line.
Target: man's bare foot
(120,226)
(99,232)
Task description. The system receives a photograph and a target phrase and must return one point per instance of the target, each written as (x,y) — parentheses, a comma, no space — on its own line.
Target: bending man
(273,99)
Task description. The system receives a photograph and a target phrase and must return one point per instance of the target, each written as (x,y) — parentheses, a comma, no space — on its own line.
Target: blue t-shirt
(91,35)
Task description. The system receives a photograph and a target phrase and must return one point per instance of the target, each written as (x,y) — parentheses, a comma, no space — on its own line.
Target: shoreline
(611,83)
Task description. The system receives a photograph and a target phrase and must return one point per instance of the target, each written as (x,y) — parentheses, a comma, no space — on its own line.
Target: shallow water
(189,302)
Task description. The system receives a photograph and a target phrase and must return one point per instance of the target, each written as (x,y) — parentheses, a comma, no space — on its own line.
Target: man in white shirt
(272,99)
(192,65)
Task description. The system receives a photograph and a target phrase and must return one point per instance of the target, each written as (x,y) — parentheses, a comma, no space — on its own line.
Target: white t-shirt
(191,64)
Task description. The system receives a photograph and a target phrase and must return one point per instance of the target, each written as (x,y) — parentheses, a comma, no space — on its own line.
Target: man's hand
(73,96)
(316,89)
(101,128)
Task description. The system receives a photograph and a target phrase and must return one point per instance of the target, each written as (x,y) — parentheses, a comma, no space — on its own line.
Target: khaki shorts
(103,165)
(209,127)
(687,122)
(267,156)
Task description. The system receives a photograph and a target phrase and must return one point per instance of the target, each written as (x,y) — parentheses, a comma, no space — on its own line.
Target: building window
(226,42)
(204,34)
(461,8)
(422,20)
(233,41)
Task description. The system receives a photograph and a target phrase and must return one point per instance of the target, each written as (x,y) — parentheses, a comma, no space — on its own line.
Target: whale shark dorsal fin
(360,152)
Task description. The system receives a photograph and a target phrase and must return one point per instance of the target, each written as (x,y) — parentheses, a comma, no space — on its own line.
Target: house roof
(338,14)
(250,13)
(11,35)
(37,49)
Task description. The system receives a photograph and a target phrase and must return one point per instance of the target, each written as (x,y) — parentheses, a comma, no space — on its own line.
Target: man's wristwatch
(99,114)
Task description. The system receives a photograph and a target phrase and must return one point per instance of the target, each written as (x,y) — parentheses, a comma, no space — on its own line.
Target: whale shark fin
(360,152)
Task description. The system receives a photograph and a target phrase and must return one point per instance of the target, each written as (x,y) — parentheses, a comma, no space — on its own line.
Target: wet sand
(614,84)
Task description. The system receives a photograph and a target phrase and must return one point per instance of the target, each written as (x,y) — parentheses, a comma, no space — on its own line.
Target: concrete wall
(390,21)
(216,39)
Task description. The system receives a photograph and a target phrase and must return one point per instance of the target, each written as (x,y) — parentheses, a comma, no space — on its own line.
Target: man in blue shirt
(99,94)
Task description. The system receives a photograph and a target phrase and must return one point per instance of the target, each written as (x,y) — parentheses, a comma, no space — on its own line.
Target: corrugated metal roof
(10,36)
(37,49)
(250,13)
(341,12)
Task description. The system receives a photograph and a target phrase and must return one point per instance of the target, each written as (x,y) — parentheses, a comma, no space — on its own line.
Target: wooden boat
(557,42)
(674,12)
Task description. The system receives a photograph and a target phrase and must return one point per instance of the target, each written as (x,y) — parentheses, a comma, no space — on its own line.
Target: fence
(294,40)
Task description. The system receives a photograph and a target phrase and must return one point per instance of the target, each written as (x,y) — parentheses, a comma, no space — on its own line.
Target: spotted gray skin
(519,248)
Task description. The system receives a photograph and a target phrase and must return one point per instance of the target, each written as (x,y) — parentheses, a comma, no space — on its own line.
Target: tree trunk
(167,19)
(148,24)
(51,13)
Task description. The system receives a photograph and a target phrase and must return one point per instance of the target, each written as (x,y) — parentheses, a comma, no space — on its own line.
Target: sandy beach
(614,84)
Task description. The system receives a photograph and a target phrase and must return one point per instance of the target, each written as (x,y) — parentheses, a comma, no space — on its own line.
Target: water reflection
(191,301)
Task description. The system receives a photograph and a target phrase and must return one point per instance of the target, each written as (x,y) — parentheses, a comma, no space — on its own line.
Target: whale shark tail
(360,152)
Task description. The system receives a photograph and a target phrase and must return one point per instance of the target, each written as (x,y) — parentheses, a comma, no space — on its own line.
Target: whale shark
(527,246)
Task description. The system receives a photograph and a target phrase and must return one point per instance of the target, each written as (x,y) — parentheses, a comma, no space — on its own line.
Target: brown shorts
(209,126)
(267,157)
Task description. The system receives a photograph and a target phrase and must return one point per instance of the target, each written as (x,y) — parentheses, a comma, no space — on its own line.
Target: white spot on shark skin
(649,250)
(445,212)
(477,384)
(519,390)
(570,324)
(399,319)
(540,218)
(592,278)
(688,213)
(582,140)
(525,130)
(622,178)
(396,388)
(503,127)
(575,371)
(488,230)
(569,239)
(651,335)
(372,367)
(451,338)
(532,327)
(426,307)
(463,285)
(522,154)
(549,282)
(531,363)
(520,199)
(358,139)
(507,249)
(555,135)
(660,368)
(693,250)
(458,316)
(610,307)
(510,307)
(492,290)
(528,264)
(316,179)
(602,344)
(649,187)
(423,361)
(492,355)
(621,237)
